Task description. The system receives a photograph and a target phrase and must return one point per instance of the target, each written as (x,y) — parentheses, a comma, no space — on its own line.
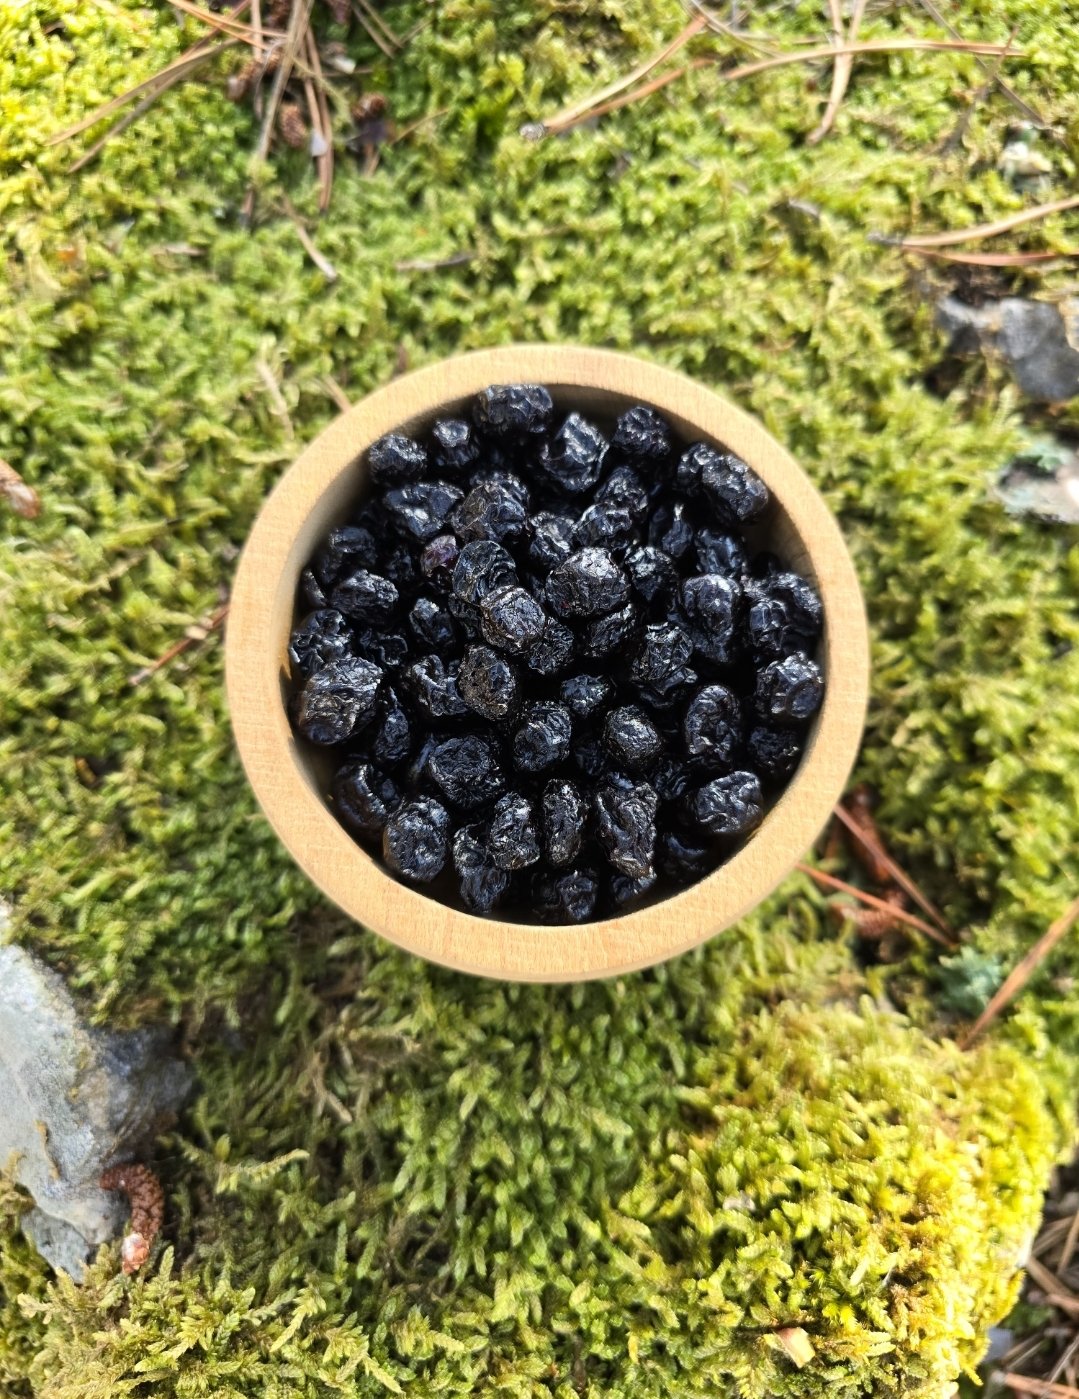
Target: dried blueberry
(395,459)
(554,651)
(348,547)
(671,529)
(734,491)
(631,738)
(513,842)
(573,458)
(421,509)
(542,739)
(482,566)
(514,412)
(512,619)
(660,665)
(433,627)
(607,636)
(551,539)
(718,552)
(712,727)
(626,826)
(454,445)
(337,699)
(730,806)
(590,756)
(311,591)
(466,769)
(415,842)
(369,597)
(434,688)
(483,884)
(565,814)
(713,605)
(321,637)
(438,559)
(789,690)
(583,695)
(642,434)
(565,898)
(388,649)
(628,892)
(684,858)
(774,752)
(587,584)
(487,683)
(652,574)
(392,741)
(490,511)
(364,798)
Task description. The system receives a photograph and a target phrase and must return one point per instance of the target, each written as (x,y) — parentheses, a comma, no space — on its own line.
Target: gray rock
(74,1100)
(1039,340)
(1042,483)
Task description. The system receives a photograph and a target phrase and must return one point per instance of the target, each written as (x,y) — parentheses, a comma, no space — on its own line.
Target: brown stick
(371,22)
(569,116)
(644,91)
(992,259)
(1046,1389)
(1018,977)
(324,162)
(1069,1244)
(211,624)
(298,20)
(901,878)
(989,230)
(226,24)
(877,46)
(841,68)
(829,881)
(864,837)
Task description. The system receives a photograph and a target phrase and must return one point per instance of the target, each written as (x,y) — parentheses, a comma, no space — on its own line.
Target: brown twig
(147,1200)
(863,837)
(225,24)
(324,162)
(23,499)
(1009,92)
(747,70)
(298,22)
(1070,1243)
(336,392)
(753,42)
(830,881)
(570,116)
(1018,977)
(647,89)
(1057,1293)
(983,230)
(1041,1389)
(992,259)
(841,68)
(407,131)
(196,634)
(370,21)
(893,870)
(323,263)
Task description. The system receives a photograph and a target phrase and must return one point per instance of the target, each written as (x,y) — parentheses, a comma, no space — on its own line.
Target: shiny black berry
(491,510)
(514,412)
(554,651)
(774,752)
(513,842)
(433,627)
(632,739)
(733,490)
(482,566)
(321,637)
(483,884)
(565,815)
(487,683)
(466,770)
(422,509)
(395,459)
(337,699)
(512,620)
(642,435)
(542,738)
(713,606)
(573,458)
(364,798)
(366,596)
(415,842)
(584,695)
(433,687)
(712,727)
(454,445)
(565,898)
(730,806)
(789,690)
(625,823)
(587,584)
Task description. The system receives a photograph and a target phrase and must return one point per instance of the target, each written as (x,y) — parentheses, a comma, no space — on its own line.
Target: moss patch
(529,1197)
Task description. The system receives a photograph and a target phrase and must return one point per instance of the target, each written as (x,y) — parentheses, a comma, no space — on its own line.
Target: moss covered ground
(395,1179)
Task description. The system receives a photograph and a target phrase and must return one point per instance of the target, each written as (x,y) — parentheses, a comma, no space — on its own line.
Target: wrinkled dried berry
(512,620)
(565,898)
(395,459)
(483,884)
(466,770)
(321,637)
(490,511)
(421,509)
(482,566)
(587,584)
(734,491)
(642,434)
(514,412)
(366,596)
(774,753)
(626,827)
(364,798)
(551,611)
(454,445)
(487,683)
(573,458)
(712,727)
(631,738)
(565,814)
(416,840)
(583,695)
(513,842)
(338,699)
(789,690)
(542,740)
(732,805)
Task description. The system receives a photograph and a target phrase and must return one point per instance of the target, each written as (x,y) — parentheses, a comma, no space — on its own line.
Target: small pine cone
(859,805)
(239,83)
(875,923)
(147,1201)
(278,13)
(341,11)
(292,126)
(369,106)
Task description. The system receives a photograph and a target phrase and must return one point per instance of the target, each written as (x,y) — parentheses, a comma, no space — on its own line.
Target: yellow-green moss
(520,1191)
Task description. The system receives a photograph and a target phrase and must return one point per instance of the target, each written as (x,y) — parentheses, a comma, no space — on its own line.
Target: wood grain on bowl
(320,490)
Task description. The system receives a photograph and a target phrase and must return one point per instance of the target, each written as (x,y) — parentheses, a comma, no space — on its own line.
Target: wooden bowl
(320,491)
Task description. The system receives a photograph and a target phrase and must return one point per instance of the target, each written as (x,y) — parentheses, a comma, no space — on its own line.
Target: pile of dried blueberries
(558,679)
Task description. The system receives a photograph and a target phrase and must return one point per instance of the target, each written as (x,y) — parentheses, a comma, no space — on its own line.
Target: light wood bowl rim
(260,617)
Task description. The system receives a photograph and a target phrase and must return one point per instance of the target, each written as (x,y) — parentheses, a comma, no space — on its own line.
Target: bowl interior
(323,488)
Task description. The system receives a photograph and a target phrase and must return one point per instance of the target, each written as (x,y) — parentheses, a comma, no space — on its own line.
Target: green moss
(530,1191)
